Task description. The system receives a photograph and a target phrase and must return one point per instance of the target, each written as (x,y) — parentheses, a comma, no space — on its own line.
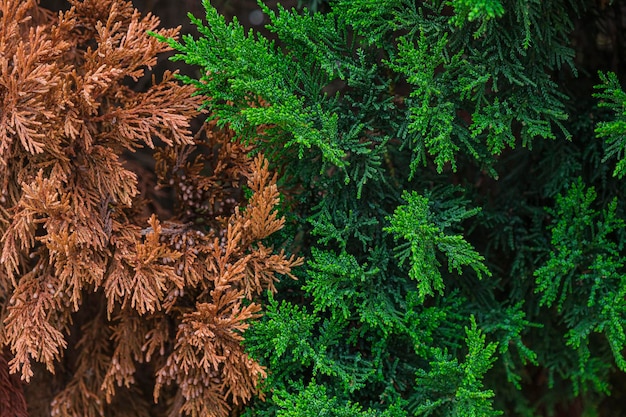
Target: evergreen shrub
(451,172)
(454,181)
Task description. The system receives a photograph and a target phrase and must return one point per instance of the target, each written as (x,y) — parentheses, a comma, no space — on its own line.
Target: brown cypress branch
(113,302)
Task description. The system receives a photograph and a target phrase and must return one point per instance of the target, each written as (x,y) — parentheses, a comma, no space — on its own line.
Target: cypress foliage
(454,185)
(126,285)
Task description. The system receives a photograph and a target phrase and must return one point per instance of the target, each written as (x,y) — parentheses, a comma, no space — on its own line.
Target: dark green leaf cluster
(614,98)
(425,232)
(586,264)
(478,84)
(470,10)
(454,389)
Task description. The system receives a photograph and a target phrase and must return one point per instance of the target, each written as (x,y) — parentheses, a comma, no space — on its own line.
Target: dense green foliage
(455,189)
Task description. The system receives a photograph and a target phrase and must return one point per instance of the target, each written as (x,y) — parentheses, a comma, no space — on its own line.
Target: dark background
(174,13)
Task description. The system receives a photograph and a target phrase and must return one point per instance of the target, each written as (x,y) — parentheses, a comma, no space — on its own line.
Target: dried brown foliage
(113,310)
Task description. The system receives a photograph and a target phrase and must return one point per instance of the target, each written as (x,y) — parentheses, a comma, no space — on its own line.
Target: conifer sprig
(612,96)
